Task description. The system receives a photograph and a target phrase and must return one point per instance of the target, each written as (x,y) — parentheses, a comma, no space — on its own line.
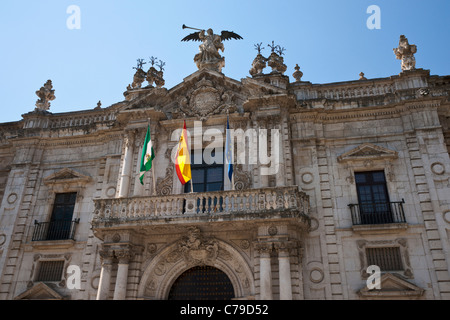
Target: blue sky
(329,40)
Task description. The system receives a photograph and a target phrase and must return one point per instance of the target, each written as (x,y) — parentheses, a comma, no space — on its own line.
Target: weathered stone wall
(327,133)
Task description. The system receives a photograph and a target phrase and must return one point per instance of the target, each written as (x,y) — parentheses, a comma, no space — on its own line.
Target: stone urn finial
(297,73)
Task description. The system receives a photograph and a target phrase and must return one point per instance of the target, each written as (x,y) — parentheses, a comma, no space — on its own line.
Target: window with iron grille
(388,258)
(50,271)
(60,225)
(373,197)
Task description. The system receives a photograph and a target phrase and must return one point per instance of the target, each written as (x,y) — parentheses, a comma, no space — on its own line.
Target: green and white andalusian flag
(147,155)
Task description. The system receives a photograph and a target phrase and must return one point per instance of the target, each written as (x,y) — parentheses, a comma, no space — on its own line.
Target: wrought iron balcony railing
(377,213)
(54,230)
(201,204)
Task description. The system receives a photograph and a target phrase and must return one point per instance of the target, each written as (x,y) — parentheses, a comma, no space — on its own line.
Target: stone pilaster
(430,201)
(328,217)
(127,165)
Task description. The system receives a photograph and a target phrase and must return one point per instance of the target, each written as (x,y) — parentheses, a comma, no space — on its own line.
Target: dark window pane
(198,187)
(63,206)
(360,177)
(214,186)
(378,176)
(215,175)
(198,175)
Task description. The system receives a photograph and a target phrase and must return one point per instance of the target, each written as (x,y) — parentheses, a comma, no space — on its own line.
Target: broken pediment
(392,286)
(202,94)
(39,291)
(368,151)
(66,175)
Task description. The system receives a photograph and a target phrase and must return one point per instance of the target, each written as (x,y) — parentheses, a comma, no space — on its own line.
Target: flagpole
(227,150)
(232,181)
(153,165)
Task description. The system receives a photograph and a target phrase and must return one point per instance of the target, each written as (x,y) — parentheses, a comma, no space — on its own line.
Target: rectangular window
(206,178)
(388,259)
(373,198)
(61,220)
(50,271)
(63,206)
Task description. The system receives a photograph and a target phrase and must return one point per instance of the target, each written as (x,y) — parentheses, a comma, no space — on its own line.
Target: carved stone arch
(161,271)
(180,268)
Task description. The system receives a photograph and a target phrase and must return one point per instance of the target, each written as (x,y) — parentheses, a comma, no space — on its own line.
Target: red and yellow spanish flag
(183,159)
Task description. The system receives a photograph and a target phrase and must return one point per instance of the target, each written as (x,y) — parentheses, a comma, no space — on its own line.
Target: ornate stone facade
(290,234)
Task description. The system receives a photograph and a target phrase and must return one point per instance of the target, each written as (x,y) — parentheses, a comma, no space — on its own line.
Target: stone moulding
(67,175)
(367,151)
(392,286)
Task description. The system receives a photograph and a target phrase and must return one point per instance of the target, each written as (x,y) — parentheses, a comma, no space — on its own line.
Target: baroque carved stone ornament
(45,94)
(139,76)
(259,63)
(275,60)
(197,249)
(206,99)
(405,52)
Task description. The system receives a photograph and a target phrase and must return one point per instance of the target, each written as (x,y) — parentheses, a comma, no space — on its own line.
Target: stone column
(265,271)
(105,275)
(120,291)
(127,165)
(284,271)
(138,187)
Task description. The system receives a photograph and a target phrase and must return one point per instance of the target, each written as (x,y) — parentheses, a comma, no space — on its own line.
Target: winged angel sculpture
(209,56)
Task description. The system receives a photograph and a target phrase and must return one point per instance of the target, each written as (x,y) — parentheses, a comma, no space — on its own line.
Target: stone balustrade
(58,121)
(267,200)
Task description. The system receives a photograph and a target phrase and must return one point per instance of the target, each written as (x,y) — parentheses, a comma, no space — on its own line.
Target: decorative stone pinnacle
(297,73)
(45,94)
(361,76)
(405,52)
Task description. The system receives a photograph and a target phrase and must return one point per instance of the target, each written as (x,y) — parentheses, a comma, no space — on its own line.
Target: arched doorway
(202,283)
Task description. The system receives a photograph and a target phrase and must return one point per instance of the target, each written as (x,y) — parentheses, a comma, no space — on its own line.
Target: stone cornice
(67,140)
(322,115)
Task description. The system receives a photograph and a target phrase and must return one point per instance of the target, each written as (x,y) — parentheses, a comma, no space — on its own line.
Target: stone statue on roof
(209,56)
(405,52)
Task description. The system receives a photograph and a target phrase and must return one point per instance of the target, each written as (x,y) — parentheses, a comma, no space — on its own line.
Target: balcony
(244,205)
(378,214)
(54,230)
